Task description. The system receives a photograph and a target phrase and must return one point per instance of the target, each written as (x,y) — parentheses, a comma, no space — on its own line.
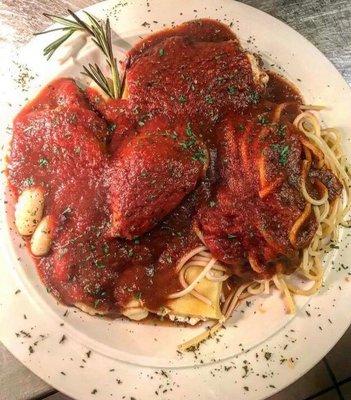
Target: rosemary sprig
(101,36)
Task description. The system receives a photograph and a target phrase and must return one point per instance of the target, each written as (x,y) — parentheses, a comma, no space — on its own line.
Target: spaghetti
(325,146)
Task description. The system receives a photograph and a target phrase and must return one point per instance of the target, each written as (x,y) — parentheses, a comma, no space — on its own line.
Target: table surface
(327,24)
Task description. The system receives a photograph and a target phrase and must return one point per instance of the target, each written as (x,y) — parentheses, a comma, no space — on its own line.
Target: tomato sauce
(64,141)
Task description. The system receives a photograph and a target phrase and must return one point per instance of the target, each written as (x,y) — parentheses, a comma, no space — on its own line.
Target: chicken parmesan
(207,181)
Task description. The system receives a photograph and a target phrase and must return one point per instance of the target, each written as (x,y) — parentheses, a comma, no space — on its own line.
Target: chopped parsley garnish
(173,135)
(231,236)
(96,303)
(99,264)
(161,52)
(214,116)
(137,295)
(182,99)
(111,127)
(189,131)
(232,89)
(72,118)
(246,370)
(150,271)
(106,249)
(29,181)
(188,144)
(263,119)
(240,127)
(281,130)
(143,119)
(209,99)
(199,155)
(283,151)
(136,240)
(254,97)
(43,162)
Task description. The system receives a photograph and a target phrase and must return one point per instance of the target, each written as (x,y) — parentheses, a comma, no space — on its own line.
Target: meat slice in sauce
(57,146)
(203,30)
(57,141)
(151,173)
(62,92)
(257,198)
(166,79)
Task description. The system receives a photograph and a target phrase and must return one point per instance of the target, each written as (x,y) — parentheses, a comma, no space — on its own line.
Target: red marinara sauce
(65,138)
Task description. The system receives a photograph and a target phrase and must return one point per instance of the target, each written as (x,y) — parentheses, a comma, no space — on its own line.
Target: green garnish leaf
(281,130)
(209,99)
(106,249)
(43,162)
(182,99)
(254,97)
(263,119)
(150,271)
(189,131)
(137,295)
(29,181)
(188,144)
(99,264)
(199,155)
(111,127)
(283,151)
(232,89)
(240,127)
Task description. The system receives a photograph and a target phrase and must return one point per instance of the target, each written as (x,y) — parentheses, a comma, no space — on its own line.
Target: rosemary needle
(101,36)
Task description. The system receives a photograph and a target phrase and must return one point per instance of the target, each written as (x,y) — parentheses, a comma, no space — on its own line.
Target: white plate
(248,360)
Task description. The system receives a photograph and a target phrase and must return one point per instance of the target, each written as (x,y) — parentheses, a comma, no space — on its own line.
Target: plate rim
(340,333)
